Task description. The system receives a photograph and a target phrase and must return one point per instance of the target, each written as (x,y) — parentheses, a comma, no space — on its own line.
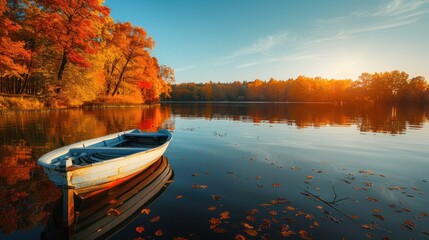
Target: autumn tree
(72,27)
(12,52)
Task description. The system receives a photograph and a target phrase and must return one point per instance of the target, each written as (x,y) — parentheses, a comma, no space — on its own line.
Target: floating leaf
(369,235)
(304,235)
(276,185)
(366,226)
(251,232)
(179,196)
(287,233)
(211,208)
(378,216)
(155,219)
(354,217)
(139,229)
(159,233)
(224,215)
(215,221)
(309,177)
(239,237)
(408,224)
(290,208)
(215,197)
(195,175)
(145,210)
(273,213)
(319,207)
(371,199)
(258,177)
(251,218)
(248,226)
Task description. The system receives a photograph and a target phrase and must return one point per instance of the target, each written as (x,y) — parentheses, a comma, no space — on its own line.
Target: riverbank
(20,103)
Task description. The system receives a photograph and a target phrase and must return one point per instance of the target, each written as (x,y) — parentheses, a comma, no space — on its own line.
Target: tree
(72,26)
(12,52)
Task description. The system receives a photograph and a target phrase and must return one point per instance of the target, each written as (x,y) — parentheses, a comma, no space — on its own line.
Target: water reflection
(100,215)
(26,195)
(368,118)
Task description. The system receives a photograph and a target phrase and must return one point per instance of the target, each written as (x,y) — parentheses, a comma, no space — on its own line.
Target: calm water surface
(302,171)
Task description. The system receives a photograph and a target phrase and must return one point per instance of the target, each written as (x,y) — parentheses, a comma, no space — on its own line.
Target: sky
(244,40)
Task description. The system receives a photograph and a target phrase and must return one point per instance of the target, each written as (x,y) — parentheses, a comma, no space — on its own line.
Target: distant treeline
(395,86)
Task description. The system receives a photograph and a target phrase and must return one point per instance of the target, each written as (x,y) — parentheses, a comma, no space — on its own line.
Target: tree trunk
(64,61)
(121,75)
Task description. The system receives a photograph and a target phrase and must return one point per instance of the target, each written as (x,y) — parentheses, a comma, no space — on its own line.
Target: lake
(239,170)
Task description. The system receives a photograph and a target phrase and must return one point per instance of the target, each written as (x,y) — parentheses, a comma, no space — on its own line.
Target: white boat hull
(80,177)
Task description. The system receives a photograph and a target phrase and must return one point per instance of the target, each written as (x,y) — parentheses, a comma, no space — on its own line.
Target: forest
(64,53)
(395,86)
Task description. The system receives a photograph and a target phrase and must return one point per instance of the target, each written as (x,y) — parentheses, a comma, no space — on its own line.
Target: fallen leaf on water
(159,233)
(304,235)
(376,210)
(258,177)
(406,209)
(195,175)
(239,237)
(276,184)
(309,177)
(371,199)
(354,217)
(251,232)
(319,207)
(378,216)
(215,197)
(287,233)
(290,208)
(309,216)
(155,219)
(139,229)
(224,215)
(408,224)
(251,218)
(366,226)
(316,224)
(368,235)
(211,208)
(215,221)
(145,210)
(273,213)
(179,196)
(203,186)
(248,226)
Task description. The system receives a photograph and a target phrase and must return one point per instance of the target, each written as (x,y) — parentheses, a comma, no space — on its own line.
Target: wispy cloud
(183,69)
(395,13)
(262,45)
(396,8)
(247,65)
(285,58)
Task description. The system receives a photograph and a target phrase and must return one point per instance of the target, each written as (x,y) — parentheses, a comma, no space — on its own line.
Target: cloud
(396,8)
(285,58)
(183,69)
(262,45)
(247,65)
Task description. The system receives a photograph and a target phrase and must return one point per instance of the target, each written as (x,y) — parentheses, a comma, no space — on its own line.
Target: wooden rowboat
(97,163)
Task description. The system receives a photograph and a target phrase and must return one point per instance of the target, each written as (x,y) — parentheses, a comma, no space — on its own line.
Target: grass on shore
(20,103)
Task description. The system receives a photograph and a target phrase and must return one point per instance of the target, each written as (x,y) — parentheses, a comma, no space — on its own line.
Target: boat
(105,161)
(102,215)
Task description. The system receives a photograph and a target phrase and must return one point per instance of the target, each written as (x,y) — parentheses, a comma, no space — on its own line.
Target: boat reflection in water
(102,213)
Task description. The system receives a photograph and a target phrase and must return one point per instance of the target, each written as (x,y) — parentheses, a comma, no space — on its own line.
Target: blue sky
(244,40)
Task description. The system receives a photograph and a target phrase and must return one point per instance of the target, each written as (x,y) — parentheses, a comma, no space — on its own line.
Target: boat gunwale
(46,159)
